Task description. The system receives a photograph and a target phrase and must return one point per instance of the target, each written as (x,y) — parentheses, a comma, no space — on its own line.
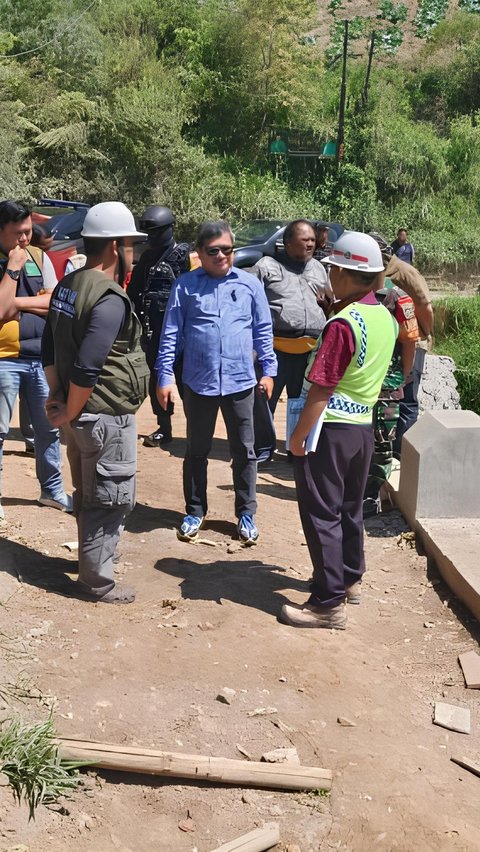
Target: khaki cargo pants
(102,452)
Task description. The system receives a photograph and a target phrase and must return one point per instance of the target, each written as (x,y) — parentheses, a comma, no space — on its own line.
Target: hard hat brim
(97,236)
(332,260)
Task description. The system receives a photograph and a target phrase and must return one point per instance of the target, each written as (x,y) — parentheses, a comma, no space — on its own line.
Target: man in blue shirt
(216,317)
(403,248)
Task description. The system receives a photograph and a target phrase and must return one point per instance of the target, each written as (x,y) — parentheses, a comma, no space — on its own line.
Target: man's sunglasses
(214,250)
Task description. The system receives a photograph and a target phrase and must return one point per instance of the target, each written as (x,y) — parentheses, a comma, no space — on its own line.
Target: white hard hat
(109,220)
(356,251)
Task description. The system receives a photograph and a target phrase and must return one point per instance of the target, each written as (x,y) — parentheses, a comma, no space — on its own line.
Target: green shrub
(29,758)
(457,328)
(429,14)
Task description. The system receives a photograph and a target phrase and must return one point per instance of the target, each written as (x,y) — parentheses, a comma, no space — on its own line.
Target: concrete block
(438,476)
(454,545)
(452,717)
(470,663)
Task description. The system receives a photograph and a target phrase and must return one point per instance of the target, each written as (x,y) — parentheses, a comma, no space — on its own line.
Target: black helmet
(156,216)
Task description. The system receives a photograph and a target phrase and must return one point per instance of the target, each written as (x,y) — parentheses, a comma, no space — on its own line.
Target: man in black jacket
(159,266)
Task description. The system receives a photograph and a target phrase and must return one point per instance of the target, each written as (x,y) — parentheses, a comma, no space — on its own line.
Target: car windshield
(66,226)
(257,231)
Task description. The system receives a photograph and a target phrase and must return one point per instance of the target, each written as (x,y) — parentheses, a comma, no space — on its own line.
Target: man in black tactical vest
(152,278)
(98,378)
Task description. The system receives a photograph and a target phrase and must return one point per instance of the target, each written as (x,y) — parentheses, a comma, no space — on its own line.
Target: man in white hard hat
(345,380)
(98,378)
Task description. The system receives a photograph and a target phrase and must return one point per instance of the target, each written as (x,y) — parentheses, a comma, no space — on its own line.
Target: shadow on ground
(37,569)
(147,518)
(386,525)
(220,449)
(247,582)
(18,501)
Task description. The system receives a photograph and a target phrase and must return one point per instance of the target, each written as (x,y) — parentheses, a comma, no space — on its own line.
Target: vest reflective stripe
(375,332)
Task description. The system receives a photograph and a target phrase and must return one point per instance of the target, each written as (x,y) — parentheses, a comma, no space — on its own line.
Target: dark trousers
(409,404)
(290,374)
(330,485)
(201,414)
(164,418)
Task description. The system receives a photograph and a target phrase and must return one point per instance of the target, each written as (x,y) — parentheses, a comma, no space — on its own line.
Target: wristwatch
(13,273)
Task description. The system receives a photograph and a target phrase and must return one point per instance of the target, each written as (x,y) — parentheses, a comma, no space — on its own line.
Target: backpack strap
(36,254)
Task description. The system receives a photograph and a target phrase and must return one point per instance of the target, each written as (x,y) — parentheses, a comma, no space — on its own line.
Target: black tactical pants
(164,418)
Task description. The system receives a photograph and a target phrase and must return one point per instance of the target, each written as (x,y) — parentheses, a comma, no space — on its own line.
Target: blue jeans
(27,375)
(409,404)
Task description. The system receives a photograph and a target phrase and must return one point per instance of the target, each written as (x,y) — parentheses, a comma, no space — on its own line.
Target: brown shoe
(307,615)
(353,594)
(118,595)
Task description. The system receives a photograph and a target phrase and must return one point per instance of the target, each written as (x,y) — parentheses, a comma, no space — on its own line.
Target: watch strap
(13,273)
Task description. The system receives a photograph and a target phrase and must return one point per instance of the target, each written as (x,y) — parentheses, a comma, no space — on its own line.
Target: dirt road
(150,673)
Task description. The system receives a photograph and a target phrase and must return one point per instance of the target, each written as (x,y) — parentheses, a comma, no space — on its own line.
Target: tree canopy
(176,100)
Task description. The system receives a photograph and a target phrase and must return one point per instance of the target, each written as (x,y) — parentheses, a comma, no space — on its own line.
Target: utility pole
(369,68)
(343,94)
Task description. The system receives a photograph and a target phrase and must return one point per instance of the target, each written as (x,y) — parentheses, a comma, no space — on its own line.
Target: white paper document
(313,436)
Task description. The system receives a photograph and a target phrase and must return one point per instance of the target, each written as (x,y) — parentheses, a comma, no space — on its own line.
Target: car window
(66,226)
(257,231)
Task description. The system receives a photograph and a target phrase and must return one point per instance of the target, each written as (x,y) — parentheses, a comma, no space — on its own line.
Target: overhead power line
(73,23)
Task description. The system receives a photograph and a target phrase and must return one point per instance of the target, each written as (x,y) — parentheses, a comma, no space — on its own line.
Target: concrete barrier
(439,496)
(439,468)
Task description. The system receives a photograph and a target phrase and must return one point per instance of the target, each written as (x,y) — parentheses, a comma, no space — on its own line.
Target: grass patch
(30,759)
(457,334)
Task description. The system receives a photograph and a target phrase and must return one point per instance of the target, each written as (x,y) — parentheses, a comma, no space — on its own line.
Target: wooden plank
(467,764)
(214,769)
(255,841)
(470,663)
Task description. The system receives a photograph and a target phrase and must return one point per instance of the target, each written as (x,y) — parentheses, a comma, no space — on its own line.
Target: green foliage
(174,101)
(429,14)
(358,28)
(470,5)
(464,155)
(456,335)
(390,39)
(396,13)
(17,174)
(446,80)
(348,195)
(333,5)
(29,757)
(419,169)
